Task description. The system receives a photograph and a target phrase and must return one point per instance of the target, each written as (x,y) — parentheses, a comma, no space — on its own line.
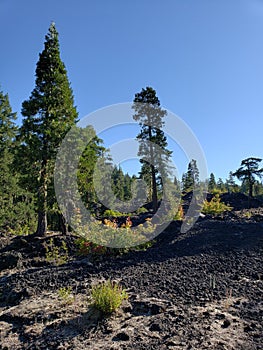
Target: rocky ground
(198,290)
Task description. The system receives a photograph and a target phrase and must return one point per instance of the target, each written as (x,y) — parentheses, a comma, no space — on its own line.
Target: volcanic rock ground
(198,290)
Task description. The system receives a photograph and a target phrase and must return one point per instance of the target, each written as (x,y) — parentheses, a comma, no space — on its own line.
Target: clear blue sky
(203,57)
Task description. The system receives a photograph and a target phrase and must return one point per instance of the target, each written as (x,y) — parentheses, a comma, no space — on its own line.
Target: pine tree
(127,187)
(191,178)
(15,205)
(145,175)
(211,182)
(152,142)
(231,186)
(248,171)
(49,113)
(7,180)
(118,182)
(87,162)
(220,185)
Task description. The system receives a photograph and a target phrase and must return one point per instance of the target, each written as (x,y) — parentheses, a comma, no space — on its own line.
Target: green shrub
(55,254)
(85,247)
(216,191)
(21,230)
(180,214)
(141,210)
(108,296)
(112,213)
(65,293)
(215,206)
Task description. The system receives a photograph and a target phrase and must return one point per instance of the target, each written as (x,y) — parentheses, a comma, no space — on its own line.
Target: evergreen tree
(152,142)
(127,187)
(145,174)
(211,182)
(103,175)
(248,171)
(15,205)
(220,185)
(258,188)
(118,182)
(89,157)
(231,186)
(121,184)
(49,113)
(191,178)
(177,184)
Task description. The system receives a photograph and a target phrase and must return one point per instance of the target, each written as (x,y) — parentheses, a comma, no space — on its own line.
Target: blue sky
(204,58)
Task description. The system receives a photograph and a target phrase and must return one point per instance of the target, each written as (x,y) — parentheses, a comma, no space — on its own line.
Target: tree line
(28,153)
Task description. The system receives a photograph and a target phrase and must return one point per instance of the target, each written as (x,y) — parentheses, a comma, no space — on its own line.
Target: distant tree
(16,205)
(248,171)
(128,180)
(87,163)
(221,185)
(152,141)
(49,113)
(121,184)
(258,188)
(177,184)
(211,182)
(191,178)
(231,186)
(118,182)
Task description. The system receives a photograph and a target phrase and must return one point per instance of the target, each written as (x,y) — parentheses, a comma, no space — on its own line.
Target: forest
(28,201)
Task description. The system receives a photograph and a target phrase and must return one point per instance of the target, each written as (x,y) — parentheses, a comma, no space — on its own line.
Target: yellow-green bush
(112,213)
(108,296)
(215,206)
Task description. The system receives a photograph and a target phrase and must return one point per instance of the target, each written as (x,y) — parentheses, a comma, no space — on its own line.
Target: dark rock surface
(198,290)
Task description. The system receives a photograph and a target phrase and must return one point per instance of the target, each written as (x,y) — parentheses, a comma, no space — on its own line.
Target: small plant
(65,293)
(145,246)
(228,298)
(127,224)
(141,210)
(215,206)
(56,255)
(112,213)
(216,191)
(86,247)
(108,296)
(248,214)
(212,282)
(21,230)
(180,214)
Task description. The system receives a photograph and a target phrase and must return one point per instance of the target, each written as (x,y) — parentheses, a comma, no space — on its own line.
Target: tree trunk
(154,190)
(41,224)
(250,190)
(63,225)
(154,186)
(42,201)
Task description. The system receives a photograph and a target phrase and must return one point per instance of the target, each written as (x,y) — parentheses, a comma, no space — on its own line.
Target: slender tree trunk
(41,224)
(42,201)
(250,194)
(63,225)
(154,190)
(153,174)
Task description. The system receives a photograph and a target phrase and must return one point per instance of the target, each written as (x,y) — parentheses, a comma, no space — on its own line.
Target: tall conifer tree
(152,142)
(48,115)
